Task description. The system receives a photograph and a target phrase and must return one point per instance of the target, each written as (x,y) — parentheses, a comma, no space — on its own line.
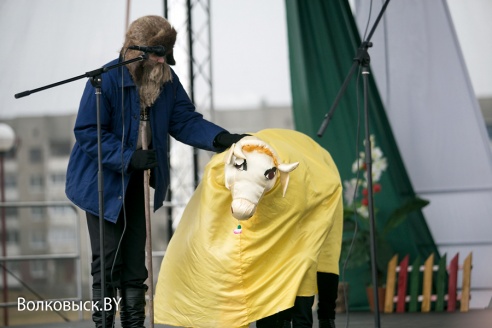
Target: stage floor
(471,319)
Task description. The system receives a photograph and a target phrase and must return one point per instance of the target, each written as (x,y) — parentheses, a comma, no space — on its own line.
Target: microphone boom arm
(90,74)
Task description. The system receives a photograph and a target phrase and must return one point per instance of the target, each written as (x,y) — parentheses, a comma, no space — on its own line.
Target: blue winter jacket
(172,113)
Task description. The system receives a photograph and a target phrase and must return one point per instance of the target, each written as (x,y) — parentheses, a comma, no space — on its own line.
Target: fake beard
(149,77)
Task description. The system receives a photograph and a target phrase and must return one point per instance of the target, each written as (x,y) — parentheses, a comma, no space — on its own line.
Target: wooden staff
(148,243)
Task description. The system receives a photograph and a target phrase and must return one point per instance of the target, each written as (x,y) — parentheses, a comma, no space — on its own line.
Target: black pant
(300,315)
(124,242)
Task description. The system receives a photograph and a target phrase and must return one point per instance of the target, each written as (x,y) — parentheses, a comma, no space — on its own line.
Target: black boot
(97,316)
(274,323)
(286,324)
(327,323)
(327,299)
(132,313)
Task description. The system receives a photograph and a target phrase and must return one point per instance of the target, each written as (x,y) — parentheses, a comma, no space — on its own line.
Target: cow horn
(238,151)
(285,169)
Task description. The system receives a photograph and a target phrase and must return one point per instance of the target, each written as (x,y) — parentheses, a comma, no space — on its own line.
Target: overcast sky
(47,41)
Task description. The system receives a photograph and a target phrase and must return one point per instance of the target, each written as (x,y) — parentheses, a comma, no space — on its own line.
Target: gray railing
(76,256)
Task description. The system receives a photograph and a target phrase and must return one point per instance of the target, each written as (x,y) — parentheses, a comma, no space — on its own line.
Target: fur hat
(151,31)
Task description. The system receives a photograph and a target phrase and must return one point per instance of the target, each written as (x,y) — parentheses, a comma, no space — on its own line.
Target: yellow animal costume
(212,277)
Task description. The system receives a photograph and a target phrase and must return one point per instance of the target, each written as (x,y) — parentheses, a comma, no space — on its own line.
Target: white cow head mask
(251,169)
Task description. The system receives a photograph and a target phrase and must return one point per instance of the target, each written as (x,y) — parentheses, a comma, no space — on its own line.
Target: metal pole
(127,19)
(4,244)
(210,70)
(78,264)
(148,243)
(372,225)
(97,82)
(169,194)
(196,178)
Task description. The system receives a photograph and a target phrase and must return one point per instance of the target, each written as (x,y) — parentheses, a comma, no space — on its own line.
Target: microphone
(156,50)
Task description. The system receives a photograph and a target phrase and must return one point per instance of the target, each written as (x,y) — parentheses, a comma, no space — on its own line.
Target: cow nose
(242,209)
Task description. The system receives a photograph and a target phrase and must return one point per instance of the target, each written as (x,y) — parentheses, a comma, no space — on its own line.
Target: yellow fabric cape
(211,277)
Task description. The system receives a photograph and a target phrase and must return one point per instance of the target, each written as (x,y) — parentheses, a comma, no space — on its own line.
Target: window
(37,239)
(10,181)
(36,183)
(61,235)
(13,237)
(11,212)
(38,269)
(58,179)
(35,155)
(62,211)
(60,148)
(11,154)
(489,131)
(37,213)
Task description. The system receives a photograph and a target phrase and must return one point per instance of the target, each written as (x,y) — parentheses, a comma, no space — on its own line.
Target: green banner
(323,41)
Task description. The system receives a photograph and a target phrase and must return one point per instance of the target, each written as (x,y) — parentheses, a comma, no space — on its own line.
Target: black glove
(225,139)
(142,160)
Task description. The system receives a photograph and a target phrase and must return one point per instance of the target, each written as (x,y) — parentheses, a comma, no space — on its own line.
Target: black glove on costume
(142,160)
(225,139)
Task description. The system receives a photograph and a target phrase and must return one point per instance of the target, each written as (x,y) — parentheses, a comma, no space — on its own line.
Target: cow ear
(285,169)
(228,155)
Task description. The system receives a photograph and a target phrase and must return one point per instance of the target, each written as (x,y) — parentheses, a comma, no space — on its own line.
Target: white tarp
(435,116)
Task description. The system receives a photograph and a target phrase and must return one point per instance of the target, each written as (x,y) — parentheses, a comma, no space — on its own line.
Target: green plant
(356,230)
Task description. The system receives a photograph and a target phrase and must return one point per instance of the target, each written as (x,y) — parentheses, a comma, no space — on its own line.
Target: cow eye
(270,174)
(241,165)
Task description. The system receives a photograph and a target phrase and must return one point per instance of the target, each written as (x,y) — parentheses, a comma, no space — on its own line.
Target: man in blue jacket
(142,89)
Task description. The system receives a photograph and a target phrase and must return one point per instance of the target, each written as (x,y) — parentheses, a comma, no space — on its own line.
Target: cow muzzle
(242,209)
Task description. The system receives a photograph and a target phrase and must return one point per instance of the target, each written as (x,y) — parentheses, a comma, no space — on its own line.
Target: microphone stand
(144,118)
(362,59)
(95,77)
